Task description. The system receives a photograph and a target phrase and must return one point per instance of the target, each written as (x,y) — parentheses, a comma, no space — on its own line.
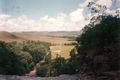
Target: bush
(57,66)
(42,71)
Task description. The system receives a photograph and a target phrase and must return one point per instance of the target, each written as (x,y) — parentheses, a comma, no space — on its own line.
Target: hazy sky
(38,8)
(47,15)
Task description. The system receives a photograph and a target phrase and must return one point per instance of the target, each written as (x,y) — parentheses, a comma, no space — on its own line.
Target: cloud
(76,15)
(74,21)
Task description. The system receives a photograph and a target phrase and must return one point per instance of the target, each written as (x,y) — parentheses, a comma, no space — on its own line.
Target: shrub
(42,71)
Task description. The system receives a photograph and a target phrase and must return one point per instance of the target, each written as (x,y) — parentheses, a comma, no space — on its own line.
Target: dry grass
(53,40)
(61,50)
(8,37)
(57,47)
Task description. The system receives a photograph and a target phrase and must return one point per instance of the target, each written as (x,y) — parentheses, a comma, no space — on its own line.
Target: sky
(46,15)
(37,8)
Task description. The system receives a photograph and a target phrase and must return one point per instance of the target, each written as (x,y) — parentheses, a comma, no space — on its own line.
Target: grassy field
(57,47)
(61,50)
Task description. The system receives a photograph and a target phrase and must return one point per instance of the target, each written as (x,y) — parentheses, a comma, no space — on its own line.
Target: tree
(19,58)
(73,65)
(58,66)
(99,44)
(9,62)
(42,71)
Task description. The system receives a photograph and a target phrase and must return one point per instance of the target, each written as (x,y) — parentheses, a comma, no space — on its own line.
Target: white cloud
(61,22)
(76,15)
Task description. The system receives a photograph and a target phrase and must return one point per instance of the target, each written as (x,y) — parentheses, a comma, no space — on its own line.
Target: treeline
(70,44)
(19,58)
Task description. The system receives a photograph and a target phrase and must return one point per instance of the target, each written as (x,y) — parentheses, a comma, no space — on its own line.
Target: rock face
(62,77)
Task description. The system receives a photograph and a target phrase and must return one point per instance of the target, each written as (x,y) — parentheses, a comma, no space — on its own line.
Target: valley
(56,39)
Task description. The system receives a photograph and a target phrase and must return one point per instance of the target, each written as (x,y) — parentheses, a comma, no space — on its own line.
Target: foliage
(98,45)
(9,61)
(73,63)
(42,71)
(19,58)
(69,44)
(58,65)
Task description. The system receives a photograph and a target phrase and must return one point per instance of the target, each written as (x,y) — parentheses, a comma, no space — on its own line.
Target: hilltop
(7,36)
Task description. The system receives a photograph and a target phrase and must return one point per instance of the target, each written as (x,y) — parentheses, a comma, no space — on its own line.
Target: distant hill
(7,36)
(53,34)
